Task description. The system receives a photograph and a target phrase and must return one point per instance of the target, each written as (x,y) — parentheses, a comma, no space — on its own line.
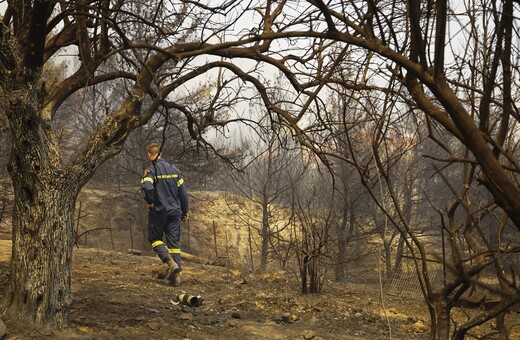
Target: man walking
(167,203)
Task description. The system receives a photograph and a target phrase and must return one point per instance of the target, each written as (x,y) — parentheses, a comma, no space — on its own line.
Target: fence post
(188,227)
(250,248)
(227,248)
(215,238)
(131,234)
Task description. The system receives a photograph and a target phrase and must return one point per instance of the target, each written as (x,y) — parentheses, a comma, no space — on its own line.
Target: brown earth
(120,296)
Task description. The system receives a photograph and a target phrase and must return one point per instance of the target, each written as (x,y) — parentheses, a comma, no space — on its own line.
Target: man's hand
(149,206)
(185,216)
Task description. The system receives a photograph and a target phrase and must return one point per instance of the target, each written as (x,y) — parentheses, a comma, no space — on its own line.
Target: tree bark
(440,320)
(43,216)
(39,291)
(45,190)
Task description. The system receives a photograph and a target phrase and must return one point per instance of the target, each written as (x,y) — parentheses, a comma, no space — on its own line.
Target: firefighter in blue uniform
(167,203)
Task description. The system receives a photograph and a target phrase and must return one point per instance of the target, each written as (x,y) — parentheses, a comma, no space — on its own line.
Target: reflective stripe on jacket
(164,186)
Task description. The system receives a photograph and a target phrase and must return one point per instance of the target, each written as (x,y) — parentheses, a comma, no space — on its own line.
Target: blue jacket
(164,186)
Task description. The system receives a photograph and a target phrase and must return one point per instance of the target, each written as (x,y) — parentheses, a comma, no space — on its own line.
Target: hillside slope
(115,219)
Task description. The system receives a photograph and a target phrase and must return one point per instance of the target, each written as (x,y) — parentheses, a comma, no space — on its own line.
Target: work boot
(173,270)
(176,280)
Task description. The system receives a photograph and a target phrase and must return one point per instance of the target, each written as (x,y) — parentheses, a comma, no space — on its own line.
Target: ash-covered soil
(122,296)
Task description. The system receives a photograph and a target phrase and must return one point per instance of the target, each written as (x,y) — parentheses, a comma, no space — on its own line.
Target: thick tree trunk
(45,195)
(45,190)
(39,284)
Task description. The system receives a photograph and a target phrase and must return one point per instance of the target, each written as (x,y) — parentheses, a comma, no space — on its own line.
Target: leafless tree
(467,94)
(264,179)
(316,216)
(152,52)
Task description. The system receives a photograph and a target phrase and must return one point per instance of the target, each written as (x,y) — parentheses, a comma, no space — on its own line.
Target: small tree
(316,215)
(266,182)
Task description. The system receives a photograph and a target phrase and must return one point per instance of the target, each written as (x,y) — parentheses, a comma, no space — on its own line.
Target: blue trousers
(167,225)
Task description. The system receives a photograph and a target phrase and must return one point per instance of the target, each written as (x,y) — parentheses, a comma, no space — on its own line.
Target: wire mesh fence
(405,281)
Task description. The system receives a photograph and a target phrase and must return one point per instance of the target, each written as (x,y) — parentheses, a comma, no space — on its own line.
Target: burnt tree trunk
(45,195)
(42,245)
(39,282)
(315,277)
(440,318)
(45,189)
(304,274)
